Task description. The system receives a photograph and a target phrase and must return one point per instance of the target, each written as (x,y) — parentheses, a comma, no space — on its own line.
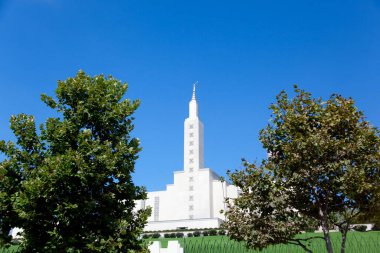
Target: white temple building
(197,195)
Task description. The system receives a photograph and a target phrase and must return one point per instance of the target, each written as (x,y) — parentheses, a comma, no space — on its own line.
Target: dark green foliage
(221,232)
(213,232)
(312,226)
(206,233)
(145,236)
(179,235)
(196,233)
(170,235)
(360,228)
(310,229)
(190,235)
(77,193)
(11,171)
(370,217)
(156,235)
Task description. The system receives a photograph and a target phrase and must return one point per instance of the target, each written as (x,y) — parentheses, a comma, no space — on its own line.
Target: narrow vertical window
(156,208)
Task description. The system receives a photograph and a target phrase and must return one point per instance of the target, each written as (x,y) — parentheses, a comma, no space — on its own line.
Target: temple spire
(193,137)
(194,98)
(193,105)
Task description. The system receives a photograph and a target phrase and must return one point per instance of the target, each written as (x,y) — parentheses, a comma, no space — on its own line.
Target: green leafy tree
(324,156)
(26,153)
(10,178)
(261,215)
(77,194)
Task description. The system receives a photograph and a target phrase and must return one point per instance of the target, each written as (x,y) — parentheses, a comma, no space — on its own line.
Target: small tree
(77,192)
(261,215)
(324,157)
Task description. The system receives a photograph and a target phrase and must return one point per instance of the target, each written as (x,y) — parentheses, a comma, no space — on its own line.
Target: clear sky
(242,53)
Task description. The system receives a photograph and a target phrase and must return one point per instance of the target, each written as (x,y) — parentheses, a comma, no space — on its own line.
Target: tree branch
(298,243)
(306,239)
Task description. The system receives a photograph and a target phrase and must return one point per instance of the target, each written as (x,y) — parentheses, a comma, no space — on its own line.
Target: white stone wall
(221,191)
(190,224)
(176,209)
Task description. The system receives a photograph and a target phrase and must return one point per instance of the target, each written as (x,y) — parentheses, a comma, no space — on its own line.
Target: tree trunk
(325,229)
(344,231)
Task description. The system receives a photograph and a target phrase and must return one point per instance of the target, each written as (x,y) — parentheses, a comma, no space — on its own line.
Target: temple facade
(197,195)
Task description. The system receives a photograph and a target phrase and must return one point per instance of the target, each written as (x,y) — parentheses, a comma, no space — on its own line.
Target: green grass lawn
(361,242)
(357,242)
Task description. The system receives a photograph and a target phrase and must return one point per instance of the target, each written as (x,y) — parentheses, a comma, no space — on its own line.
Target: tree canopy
(73,189)
(261,215)
(324,157)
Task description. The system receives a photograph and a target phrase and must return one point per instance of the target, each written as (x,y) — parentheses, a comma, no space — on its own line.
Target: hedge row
(360,228)
(174,235)
(155,235)
(180,230)
(211,232)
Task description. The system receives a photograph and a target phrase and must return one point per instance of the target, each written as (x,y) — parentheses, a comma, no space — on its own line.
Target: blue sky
(242,53)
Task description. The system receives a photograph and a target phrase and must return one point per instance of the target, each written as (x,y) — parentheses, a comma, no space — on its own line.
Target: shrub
(376,226)
(213,232)
(360,228)
(172,235)
(190,235)
(196,233)
(145,236)
(310,229)
(205,233)
(179,235)
(156,235)
(167,235)
(221,232)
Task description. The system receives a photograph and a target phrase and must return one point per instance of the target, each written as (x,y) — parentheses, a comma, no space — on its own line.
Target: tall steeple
(193,137)
(193,97)
(193,105)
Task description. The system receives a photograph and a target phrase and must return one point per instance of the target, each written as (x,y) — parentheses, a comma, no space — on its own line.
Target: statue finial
(194,98)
